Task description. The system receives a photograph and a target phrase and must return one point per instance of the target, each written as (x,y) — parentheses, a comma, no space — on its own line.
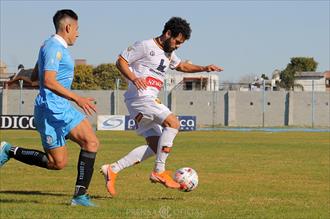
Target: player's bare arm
(52,84)
(191,68)
(123,67)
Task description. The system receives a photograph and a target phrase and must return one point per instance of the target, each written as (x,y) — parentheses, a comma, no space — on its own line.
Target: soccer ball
(186,177)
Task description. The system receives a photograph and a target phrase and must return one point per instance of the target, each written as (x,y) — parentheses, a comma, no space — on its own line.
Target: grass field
(242,175)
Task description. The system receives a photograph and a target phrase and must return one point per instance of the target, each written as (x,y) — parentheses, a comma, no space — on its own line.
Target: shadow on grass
(154,198)
(20,192)
(28,193)
(18,201)
(101,197)
(165,198)
(96,197)
(31,193)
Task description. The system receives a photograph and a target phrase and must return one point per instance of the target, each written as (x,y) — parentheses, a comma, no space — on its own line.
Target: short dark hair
(60,14)
(178,25)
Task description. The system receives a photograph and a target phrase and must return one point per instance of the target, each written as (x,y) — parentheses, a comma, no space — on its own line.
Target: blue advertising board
(187,123)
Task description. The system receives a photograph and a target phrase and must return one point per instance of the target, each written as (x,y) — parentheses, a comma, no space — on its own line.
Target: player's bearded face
(167,46)
(173,43)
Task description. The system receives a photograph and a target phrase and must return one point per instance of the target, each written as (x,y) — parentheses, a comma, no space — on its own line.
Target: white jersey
(146,59)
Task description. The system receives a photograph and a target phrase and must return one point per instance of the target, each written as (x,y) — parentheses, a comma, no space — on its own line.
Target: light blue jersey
(54,115)
(54,56)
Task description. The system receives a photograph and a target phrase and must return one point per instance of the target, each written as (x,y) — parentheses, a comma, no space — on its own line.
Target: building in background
(4,75)
(306,80)
(327,80)
(276,78)
(21,79)
(80,62)
(192,81)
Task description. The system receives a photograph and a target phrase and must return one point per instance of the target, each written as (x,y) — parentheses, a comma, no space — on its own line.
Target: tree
(265,77)
(106,75)
(297,64)
(84,78)
(101,77)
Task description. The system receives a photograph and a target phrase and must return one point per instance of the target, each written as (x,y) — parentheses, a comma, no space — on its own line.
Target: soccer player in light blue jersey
(55,118)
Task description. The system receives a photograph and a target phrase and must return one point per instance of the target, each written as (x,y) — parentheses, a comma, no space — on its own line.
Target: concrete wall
(207,106)
(11,102)
(222,108)
(304,113)
(276,108)
(257,108)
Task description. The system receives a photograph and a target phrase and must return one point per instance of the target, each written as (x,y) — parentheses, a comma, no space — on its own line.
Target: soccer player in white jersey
(144,65)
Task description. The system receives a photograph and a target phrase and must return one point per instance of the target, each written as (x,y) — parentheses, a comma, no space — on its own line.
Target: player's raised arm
(187,67)
(123,67)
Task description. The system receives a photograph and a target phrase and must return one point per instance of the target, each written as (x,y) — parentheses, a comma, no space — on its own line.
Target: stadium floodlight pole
(214,103)
(313,102)
(20,96)
(116,96)
(263,102)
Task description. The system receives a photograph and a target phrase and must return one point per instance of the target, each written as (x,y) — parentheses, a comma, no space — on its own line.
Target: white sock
(166,139)
(137,155)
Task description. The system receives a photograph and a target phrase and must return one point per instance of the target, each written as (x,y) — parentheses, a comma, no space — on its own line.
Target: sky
(244,37)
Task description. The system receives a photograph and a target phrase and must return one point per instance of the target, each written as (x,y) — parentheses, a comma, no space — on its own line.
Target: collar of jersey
(61,40)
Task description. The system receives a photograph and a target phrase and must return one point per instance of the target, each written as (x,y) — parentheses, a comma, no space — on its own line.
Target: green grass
(242,175)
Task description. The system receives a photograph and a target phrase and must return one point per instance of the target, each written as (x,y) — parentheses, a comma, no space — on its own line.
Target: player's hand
(212,67)
(86,103)
(140,83)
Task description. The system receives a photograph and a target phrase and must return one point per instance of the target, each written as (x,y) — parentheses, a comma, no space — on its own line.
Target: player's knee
(172,122)
(175,124)
(60,164)
(92,145)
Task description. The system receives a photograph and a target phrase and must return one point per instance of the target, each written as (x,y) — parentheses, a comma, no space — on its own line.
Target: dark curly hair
(178,25)
(63,14)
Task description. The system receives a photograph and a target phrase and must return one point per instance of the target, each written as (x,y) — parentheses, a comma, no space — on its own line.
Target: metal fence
(241,105)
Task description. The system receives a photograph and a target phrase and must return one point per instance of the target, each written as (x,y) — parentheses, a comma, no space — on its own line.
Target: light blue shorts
(54,127)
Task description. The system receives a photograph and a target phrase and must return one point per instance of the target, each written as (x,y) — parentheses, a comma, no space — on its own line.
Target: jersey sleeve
(175,61)
(134,52)
(51,58)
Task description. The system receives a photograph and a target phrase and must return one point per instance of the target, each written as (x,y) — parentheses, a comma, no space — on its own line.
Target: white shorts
(149,115)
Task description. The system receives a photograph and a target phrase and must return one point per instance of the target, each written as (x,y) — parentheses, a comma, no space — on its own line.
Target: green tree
(265,77)
(106,75)
(84,78)
(297,64)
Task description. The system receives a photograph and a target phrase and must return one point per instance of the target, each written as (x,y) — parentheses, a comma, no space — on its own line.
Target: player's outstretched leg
(27,156)
(110,171)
